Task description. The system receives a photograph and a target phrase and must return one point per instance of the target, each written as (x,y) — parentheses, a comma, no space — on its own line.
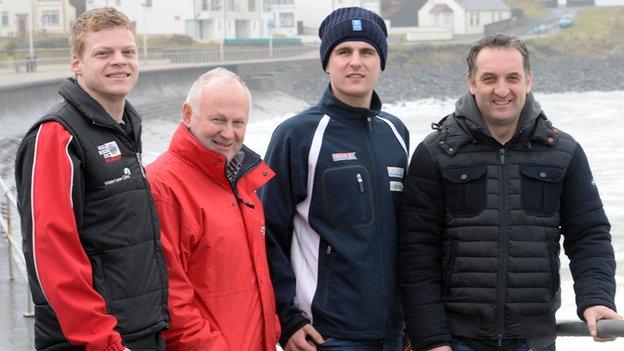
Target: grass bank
(595,34)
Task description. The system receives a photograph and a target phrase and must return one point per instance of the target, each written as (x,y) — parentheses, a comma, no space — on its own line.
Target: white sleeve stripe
(396,133)
(32,212)
(306,241)
(71,179)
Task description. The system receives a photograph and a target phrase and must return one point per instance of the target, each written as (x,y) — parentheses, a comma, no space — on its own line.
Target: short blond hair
(94,21)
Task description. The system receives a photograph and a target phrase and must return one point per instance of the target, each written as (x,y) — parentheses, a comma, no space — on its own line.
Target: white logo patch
(110,151)
(125,176)
(396,186)
(344,156)
(395,172)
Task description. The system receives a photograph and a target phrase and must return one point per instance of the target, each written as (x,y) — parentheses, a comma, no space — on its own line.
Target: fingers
(303,340)
(595,313)
(313,334)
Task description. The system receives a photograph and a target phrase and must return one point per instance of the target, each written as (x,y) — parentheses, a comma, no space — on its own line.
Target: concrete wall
(22,105)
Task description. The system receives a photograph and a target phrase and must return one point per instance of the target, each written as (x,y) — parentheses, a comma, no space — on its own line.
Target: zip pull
(502,156)
(500,340)
(360,182)
(370,124)
(328,250)
(138,156)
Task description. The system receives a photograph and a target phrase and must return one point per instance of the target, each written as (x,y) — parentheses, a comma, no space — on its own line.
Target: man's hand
(305,339)
(441,348)
(595,313)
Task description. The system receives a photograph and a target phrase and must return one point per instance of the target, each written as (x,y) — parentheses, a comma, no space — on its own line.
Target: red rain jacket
(220,293)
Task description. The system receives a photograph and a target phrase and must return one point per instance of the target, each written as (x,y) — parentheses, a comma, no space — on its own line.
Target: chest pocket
(541,188)
(347,197)
(465,190)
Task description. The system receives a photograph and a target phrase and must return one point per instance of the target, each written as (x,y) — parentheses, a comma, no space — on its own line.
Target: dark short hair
(497,41)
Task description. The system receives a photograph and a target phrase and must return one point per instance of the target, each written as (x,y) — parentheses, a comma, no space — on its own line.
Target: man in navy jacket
(332,208)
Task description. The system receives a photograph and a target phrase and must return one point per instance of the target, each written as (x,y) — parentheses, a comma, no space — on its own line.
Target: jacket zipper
(380,220)
(449,268)
(239,175)
(328,251)
(503,229)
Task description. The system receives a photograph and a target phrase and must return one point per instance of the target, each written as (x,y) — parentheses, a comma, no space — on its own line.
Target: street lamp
(30,67)
(146,4)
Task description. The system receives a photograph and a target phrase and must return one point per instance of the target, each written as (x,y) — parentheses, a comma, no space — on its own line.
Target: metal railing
(14,241)
(14,72)
(605,328)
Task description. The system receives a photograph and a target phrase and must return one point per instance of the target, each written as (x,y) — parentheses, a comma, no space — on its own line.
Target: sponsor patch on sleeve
(396,186)
(395,172)
(344,156)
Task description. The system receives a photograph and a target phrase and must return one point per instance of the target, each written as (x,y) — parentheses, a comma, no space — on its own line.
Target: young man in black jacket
(488,195)
(332,208)
(91,236)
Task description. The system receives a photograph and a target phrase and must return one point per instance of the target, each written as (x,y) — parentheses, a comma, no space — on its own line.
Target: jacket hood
(212,163)
(341,110)
(467,126)
(466,107)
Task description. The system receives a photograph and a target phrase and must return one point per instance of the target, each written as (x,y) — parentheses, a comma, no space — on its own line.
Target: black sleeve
(420,243)
(587,241)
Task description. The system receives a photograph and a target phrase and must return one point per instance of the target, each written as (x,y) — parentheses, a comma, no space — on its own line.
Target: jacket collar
(93,111)
(467,126)
(209,162)
(338,109)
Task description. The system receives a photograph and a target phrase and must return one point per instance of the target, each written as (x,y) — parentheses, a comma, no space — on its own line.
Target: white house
(283,17)
(462,16)
(205,20)
(53,16)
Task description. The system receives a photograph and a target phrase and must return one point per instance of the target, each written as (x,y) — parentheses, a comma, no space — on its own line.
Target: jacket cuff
(431,342)
(581,308)
(291,328)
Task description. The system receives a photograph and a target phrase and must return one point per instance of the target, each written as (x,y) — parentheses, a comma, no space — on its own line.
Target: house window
(4,19)
(204,5)
(474,18)
(251,6)
(232,5)
(443,20)
(50,18)
(215,5)
(286,19)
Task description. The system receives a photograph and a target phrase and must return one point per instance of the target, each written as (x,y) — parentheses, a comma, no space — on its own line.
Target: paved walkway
(16,331)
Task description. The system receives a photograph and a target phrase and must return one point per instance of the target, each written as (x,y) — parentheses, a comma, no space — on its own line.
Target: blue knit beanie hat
(353,24)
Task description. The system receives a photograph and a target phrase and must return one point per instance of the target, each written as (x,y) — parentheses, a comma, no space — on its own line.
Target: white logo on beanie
(356,25)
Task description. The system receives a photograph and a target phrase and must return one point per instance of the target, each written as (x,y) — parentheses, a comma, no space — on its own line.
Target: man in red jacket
(220,293)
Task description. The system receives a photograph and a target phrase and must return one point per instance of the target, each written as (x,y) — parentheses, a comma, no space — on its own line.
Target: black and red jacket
(90,229)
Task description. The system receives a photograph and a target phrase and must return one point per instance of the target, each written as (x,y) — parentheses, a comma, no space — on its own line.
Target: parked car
(566,21)
(540,28)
